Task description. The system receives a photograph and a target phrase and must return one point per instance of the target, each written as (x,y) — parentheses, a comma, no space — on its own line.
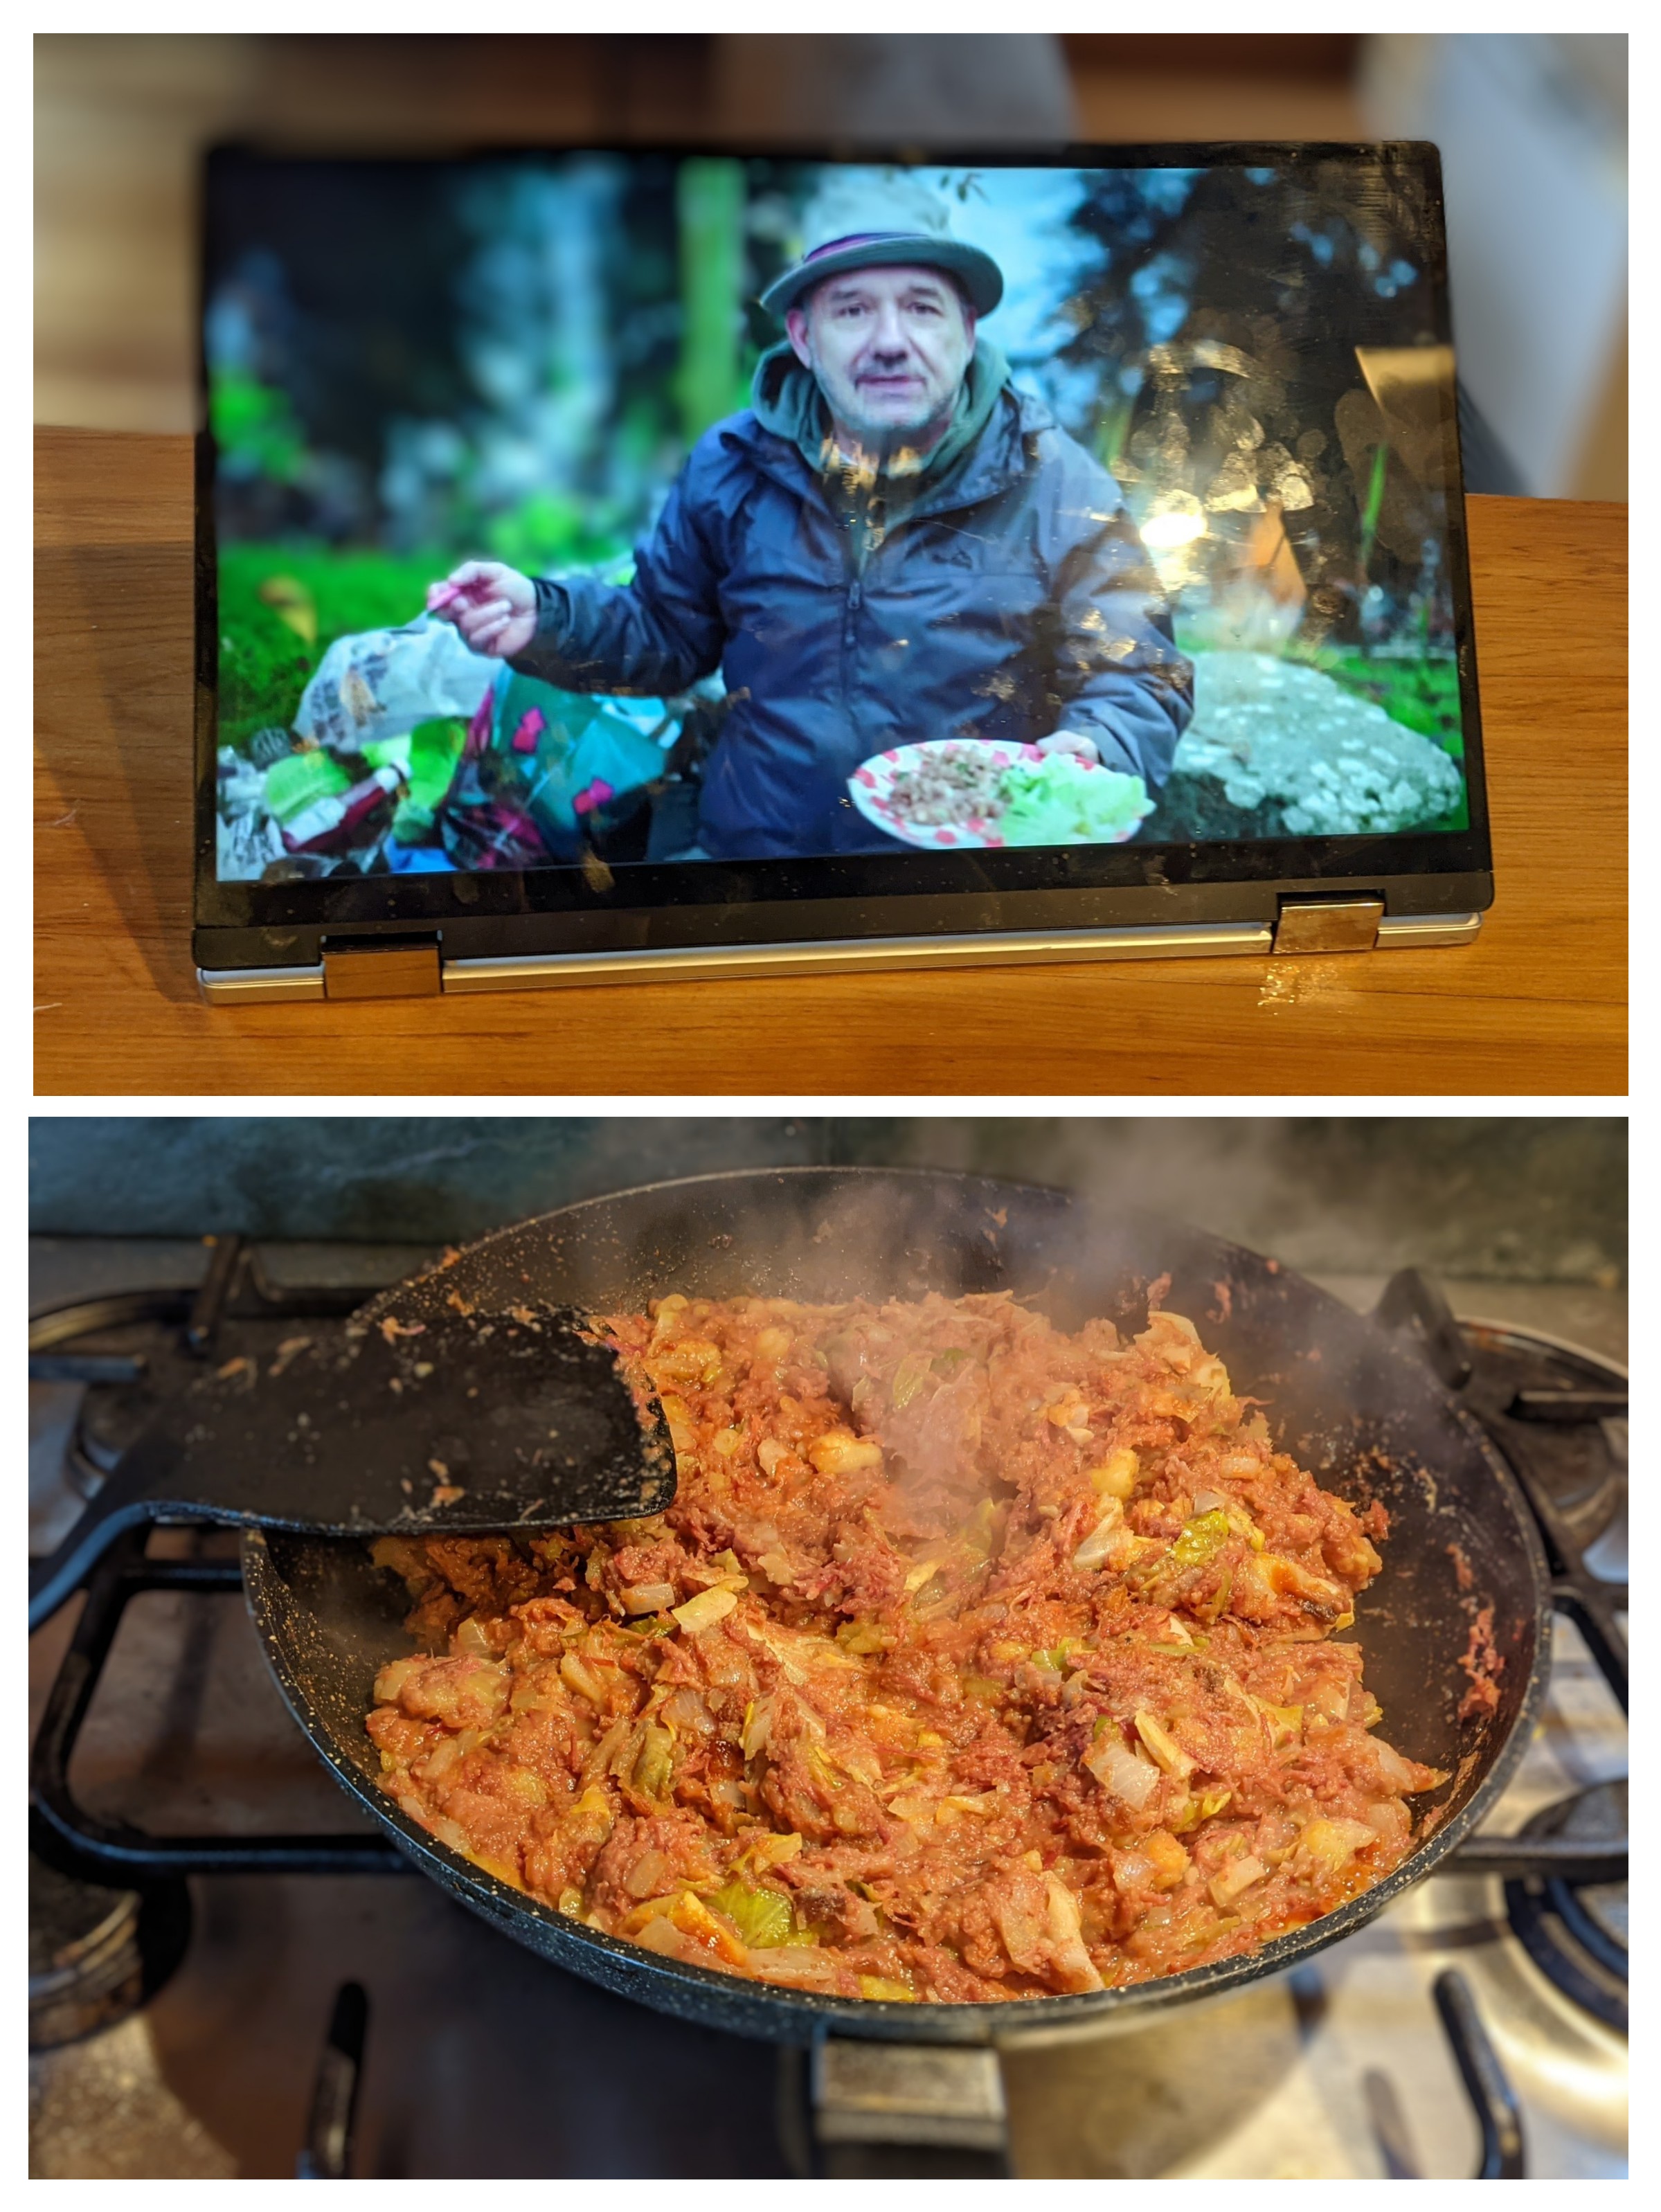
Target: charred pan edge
(701,1995)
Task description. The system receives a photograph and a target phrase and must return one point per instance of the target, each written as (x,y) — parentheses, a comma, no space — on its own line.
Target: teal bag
(561,756)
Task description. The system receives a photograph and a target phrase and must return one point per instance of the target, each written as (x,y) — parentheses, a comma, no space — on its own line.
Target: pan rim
(791,2016)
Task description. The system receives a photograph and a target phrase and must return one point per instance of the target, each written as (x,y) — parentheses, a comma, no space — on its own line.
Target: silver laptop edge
(556,971)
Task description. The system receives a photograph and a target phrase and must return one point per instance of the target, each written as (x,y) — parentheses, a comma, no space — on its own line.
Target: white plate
(871,783)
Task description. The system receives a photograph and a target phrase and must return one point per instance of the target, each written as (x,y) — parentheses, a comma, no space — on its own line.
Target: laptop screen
(592,510)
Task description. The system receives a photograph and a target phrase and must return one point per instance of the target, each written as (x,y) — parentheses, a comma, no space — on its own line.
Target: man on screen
(892,545)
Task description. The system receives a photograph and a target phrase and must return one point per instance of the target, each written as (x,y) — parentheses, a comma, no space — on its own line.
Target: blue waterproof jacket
(1009,600)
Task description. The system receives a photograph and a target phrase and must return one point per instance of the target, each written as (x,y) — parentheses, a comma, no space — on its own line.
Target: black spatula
(454,1422)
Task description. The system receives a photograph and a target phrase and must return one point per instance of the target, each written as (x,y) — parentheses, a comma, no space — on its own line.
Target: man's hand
(1069,741)
(493,606)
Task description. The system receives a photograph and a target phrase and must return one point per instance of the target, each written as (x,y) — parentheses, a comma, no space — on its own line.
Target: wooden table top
(1535,1004)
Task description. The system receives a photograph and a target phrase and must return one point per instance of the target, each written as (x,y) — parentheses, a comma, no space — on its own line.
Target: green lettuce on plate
(1061,801)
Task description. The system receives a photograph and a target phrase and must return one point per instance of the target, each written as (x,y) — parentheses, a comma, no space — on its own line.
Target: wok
(1346,1399)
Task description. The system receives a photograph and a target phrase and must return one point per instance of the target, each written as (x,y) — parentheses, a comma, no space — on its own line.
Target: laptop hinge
(382,968)
(1329,924)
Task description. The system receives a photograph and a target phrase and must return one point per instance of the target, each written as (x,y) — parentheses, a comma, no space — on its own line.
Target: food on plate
(1062,800)
(975,1660)
(1025,799)
(949,785)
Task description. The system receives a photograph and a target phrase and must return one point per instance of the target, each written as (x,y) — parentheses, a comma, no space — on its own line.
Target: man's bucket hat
(899,225)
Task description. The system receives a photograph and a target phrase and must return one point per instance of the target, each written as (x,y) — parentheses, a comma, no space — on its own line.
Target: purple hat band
(855,238)
(975,271)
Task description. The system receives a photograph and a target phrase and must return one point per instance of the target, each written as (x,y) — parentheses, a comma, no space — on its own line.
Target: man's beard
(883,437)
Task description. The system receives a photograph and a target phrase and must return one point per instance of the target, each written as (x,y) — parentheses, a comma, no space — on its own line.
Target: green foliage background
(1422,695)
(264,665)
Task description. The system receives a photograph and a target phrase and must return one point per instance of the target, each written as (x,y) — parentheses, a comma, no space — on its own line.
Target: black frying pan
(1347,1400)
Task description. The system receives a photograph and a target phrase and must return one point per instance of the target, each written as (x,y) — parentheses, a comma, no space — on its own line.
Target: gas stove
(233,1974)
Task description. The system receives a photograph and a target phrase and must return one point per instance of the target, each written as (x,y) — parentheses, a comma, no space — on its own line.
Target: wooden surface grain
(1537,1004)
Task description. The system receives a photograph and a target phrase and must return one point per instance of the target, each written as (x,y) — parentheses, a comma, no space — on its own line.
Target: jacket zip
(856,596)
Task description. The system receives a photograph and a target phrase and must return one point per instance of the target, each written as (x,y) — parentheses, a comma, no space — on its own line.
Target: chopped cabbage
(656,1763)
(761,1917)
(1205,1533)
(1061,801)
(704,1610)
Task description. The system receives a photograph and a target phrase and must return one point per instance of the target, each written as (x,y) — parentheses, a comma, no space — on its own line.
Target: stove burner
(136,1348)
(1576,1933)
(96,1954)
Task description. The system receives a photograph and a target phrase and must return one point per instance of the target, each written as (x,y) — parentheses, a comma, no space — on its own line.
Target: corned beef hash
(975,1660)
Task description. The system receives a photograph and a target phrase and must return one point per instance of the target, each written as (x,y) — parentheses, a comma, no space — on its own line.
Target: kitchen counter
(1536,1003)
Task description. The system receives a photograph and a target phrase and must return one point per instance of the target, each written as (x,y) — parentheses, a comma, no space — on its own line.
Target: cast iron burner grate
(1576,1932)
(1560,1418)
(1556,1414)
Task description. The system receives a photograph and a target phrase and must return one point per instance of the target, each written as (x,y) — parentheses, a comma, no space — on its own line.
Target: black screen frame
(640,906)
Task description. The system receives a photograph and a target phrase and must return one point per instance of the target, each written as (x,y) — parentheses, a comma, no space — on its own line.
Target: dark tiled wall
(1518,1199)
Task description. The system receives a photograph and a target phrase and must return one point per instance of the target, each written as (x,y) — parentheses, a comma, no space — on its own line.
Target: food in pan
(975,1660)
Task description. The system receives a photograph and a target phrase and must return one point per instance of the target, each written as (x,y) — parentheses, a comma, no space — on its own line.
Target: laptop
(654,564)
